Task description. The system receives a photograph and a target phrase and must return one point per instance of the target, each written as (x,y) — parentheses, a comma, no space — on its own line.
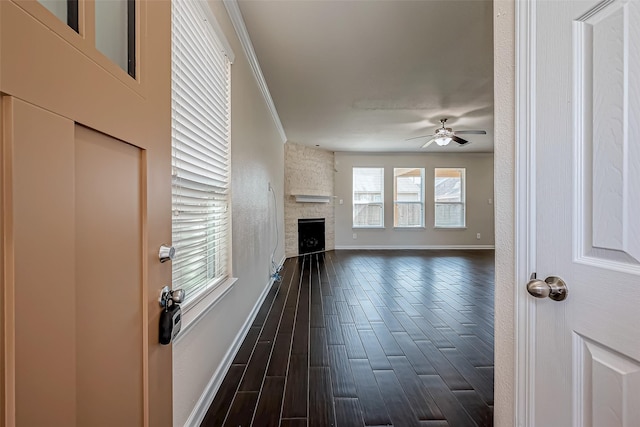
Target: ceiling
(365,75)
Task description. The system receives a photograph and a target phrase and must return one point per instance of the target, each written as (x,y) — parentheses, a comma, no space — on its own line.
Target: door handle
(552,287)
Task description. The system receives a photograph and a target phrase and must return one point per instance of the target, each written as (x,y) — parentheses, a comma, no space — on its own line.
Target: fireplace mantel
(311,198)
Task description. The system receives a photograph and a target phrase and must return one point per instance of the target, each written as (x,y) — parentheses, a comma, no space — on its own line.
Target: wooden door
(586,115)
(85,207)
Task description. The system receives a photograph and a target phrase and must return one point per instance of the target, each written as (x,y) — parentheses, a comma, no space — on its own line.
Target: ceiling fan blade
(418,137)
(428,143)
(459,140)
(471,132)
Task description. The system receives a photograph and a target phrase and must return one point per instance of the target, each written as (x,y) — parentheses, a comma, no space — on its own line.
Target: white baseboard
(209,393)
(417,247)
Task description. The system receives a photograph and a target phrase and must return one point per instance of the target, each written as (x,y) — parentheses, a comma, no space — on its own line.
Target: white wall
(479,189)
(504,95)
(257,158)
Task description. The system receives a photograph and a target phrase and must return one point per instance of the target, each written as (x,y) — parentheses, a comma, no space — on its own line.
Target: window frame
(355,204)
(218,231)
(462,202)
(397,202)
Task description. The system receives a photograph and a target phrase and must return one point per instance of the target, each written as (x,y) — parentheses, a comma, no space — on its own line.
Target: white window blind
(200,98)
(449,197)
(368,197)
(408,194)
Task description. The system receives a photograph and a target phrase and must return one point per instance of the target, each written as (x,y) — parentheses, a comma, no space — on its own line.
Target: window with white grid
(368,197)
(201,110)
(408,197)
(449,197)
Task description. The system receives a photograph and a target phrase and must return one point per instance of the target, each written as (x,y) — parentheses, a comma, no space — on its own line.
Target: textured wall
(257,155)
(504,94)
(479,189)
(307,171)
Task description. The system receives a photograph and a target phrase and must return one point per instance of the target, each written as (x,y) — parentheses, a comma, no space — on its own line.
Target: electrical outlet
(341,201)
(478,236)
(490,201)
(355,235)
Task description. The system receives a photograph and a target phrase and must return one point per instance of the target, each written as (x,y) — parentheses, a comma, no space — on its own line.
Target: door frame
(525,210)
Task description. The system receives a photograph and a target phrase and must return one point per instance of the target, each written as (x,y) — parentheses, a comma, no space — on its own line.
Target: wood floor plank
(341,376)
(361,320)
(244,353)
(398,405)
(374,352)
(451,376)
(420,363)
(222,402)
(293,422)
(344,312)
(450,406)
(374,411)
(296,392)
(386,339)
(483,385)
(269,403)
(419,396)
(280,356)
(352,341)
(321,412)
(256,368)
(334,330)
(318,354)
(242,409)
(481,413)
(410,326)
(348,412)
(390,320)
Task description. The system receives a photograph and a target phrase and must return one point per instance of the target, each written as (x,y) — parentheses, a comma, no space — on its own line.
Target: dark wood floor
(353,338)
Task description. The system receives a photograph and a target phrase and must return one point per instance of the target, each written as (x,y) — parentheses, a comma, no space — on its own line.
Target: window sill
(371,227)
(194,311)
(409,228)
(450,228)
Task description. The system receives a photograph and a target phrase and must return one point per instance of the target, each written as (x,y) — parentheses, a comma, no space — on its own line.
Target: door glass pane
(115,32)
(65,10)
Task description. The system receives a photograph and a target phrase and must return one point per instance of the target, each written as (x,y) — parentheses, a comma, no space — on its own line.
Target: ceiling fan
(444,135)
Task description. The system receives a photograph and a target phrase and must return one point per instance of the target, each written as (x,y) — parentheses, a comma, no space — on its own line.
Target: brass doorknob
(552,287)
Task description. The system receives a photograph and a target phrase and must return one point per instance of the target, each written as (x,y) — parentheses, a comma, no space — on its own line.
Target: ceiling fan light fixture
(443,140)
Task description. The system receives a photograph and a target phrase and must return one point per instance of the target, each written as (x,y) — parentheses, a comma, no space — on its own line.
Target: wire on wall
(275,268)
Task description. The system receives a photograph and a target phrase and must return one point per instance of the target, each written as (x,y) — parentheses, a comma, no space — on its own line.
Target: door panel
(110,338)
(587,136)
(44,304)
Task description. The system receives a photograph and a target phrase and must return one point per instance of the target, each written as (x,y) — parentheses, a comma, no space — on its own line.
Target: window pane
(115,32)
(368,197)
(449,188)
(408,197)
(367,215)
(65,10)
(449,215)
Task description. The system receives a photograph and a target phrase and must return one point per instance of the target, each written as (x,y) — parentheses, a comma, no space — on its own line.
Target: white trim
(525,212)
(206,399)
(417,247)
(241,30)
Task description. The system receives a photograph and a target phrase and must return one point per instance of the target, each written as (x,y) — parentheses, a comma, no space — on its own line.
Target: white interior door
(586,131)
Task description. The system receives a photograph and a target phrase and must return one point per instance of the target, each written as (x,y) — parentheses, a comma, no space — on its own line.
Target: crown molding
(241,30)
